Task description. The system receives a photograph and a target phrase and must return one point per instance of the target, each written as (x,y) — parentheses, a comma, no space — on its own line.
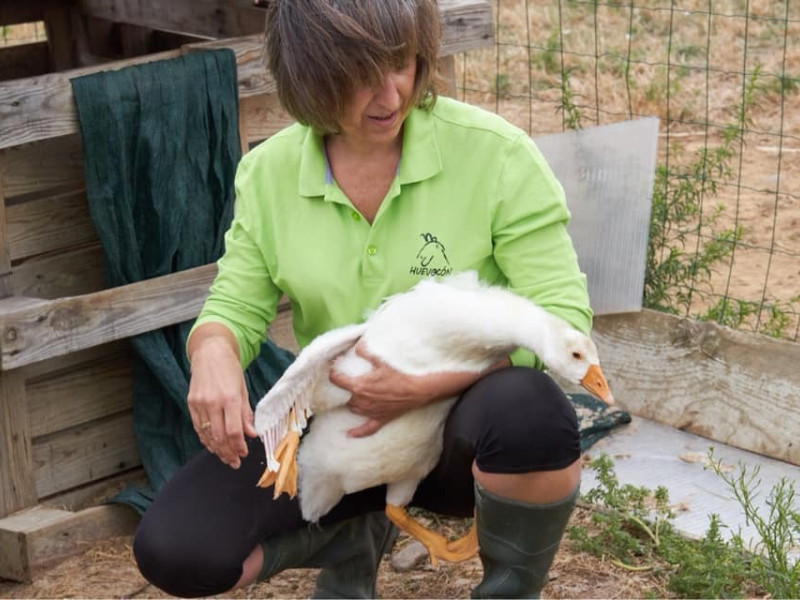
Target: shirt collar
(312,165)
(420,159)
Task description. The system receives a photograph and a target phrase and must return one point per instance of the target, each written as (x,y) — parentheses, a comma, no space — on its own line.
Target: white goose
(457,324)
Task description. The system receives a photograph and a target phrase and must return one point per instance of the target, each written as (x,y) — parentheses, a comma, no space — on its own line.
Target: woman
(378,185)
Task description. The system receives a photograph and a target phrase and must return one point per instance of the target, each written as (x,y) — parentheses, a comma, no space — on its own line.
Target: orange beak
(596,383)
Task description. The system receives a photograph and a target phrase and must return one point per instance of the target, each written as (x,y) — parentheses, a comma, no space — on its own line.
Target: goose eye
(577,355)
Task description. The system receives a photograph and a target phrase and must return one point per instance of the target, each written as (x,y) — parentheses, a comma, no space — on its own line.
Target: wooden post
(58,24)
(17,488)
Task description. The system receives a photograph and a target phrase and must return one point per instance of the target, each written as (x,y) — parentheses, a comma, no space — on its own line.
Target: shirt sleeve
(531,244)
(243,296)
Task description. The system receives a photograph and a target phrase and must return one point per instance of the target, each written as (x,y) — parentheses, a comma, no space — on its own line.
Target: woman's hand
(218,400)
(384,394)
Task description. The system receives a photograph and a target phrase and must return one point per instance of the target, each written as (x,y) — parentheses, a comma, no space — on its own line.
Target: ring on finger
(205,425)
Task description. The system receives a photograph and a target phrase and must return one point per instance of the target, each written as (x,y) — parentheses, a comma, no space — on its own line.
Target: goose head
(573,355)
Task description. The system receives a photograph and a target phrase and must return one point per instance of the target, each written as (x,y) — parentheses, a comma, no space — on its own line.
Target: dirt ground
(107,570)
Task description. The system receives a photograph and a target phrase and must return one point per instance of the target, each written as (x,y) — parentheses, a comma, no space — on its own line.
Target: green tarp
(161,146)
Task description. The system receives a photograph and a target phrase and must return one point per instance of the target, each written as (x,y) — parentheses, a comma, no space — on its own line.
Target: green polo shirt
(471,192)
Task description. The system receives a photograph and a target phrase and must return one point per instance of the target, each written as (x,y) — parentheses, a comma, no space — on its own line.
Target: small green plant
(772,564)
(773,320)
(708,568)
(782,84)
(730,312)
(547,60)
(690,51)
(502,85)
(778,319)
(686,244)
(631,522)
(567,106)
(632,528)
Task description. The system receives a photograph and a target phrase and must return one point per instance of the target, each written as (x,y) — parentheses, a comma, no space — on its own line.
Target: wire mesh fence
(724,78)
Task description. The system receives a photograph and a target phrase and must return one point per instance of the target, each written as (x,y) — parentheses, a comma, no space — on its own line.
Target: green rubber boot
(349,553)
(518,542)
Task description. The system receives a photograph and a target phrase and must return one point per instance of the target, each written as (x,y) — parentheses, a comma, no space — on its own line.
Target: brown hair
(321,51)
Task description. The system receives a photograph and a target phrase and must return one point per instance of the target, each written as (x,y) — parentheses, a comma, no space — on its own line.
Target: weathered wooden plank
(83,454)
(42,107)
(5,247)
(24,60)
(78,396)
(261,117)
(252,76)
(32,540)
(42,166)
(92,494)
(134,40)
(738,388)
(118,350)
(209,18)
(17,488)
(60,273)
(14,13)
(16,467)
(66,325)
(61,37)
(48,224)
(466,25)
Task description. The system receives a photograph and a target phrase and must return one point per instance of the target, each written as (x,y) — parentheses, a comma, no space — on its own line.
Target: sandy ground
(107,570)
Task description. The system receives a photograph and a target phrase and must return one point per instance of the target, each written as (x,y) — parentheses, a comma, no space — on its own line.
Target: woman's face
(375,115)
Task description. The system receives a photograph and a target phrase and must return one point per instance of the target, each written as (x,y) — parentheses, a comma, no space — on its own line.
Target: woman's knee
(181,566)
(526,423)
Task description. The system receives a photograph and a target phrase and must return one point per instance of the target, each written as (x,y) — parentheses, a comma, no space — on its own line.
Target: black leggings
(207,519)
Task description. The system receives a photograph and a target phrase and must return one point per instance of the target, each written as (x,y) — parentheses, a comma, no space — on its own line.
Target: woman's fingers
(234,446)
(221,430)
(248,421)
(217,396)
(367,428)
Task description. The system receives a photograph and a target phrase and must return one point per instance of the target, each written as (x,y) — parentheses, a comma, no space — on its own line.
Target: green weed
(570,111)
(502,85)
(774,563)
(548,59)
(686,244)
(632,528)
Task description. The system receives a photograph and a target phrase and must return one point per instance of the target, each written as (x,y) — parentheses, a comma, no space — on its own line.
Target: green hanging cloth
(161,146)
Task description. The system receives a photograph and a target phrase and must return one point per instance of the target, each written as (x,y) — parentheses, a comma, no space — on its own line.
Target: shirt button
(356,216)
(372,250)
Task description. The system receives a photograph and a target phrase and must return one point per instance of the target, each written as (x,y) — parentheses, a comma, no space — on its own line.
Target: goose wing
(295,389)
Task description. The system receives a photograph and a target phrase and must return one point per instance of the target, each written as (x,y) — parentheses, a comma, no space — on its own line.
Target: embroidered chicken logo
(432,249)
(432,258)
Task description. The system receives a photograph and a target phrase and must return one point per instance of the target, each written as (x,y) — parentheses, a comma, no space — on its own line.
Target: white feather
(297,386)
